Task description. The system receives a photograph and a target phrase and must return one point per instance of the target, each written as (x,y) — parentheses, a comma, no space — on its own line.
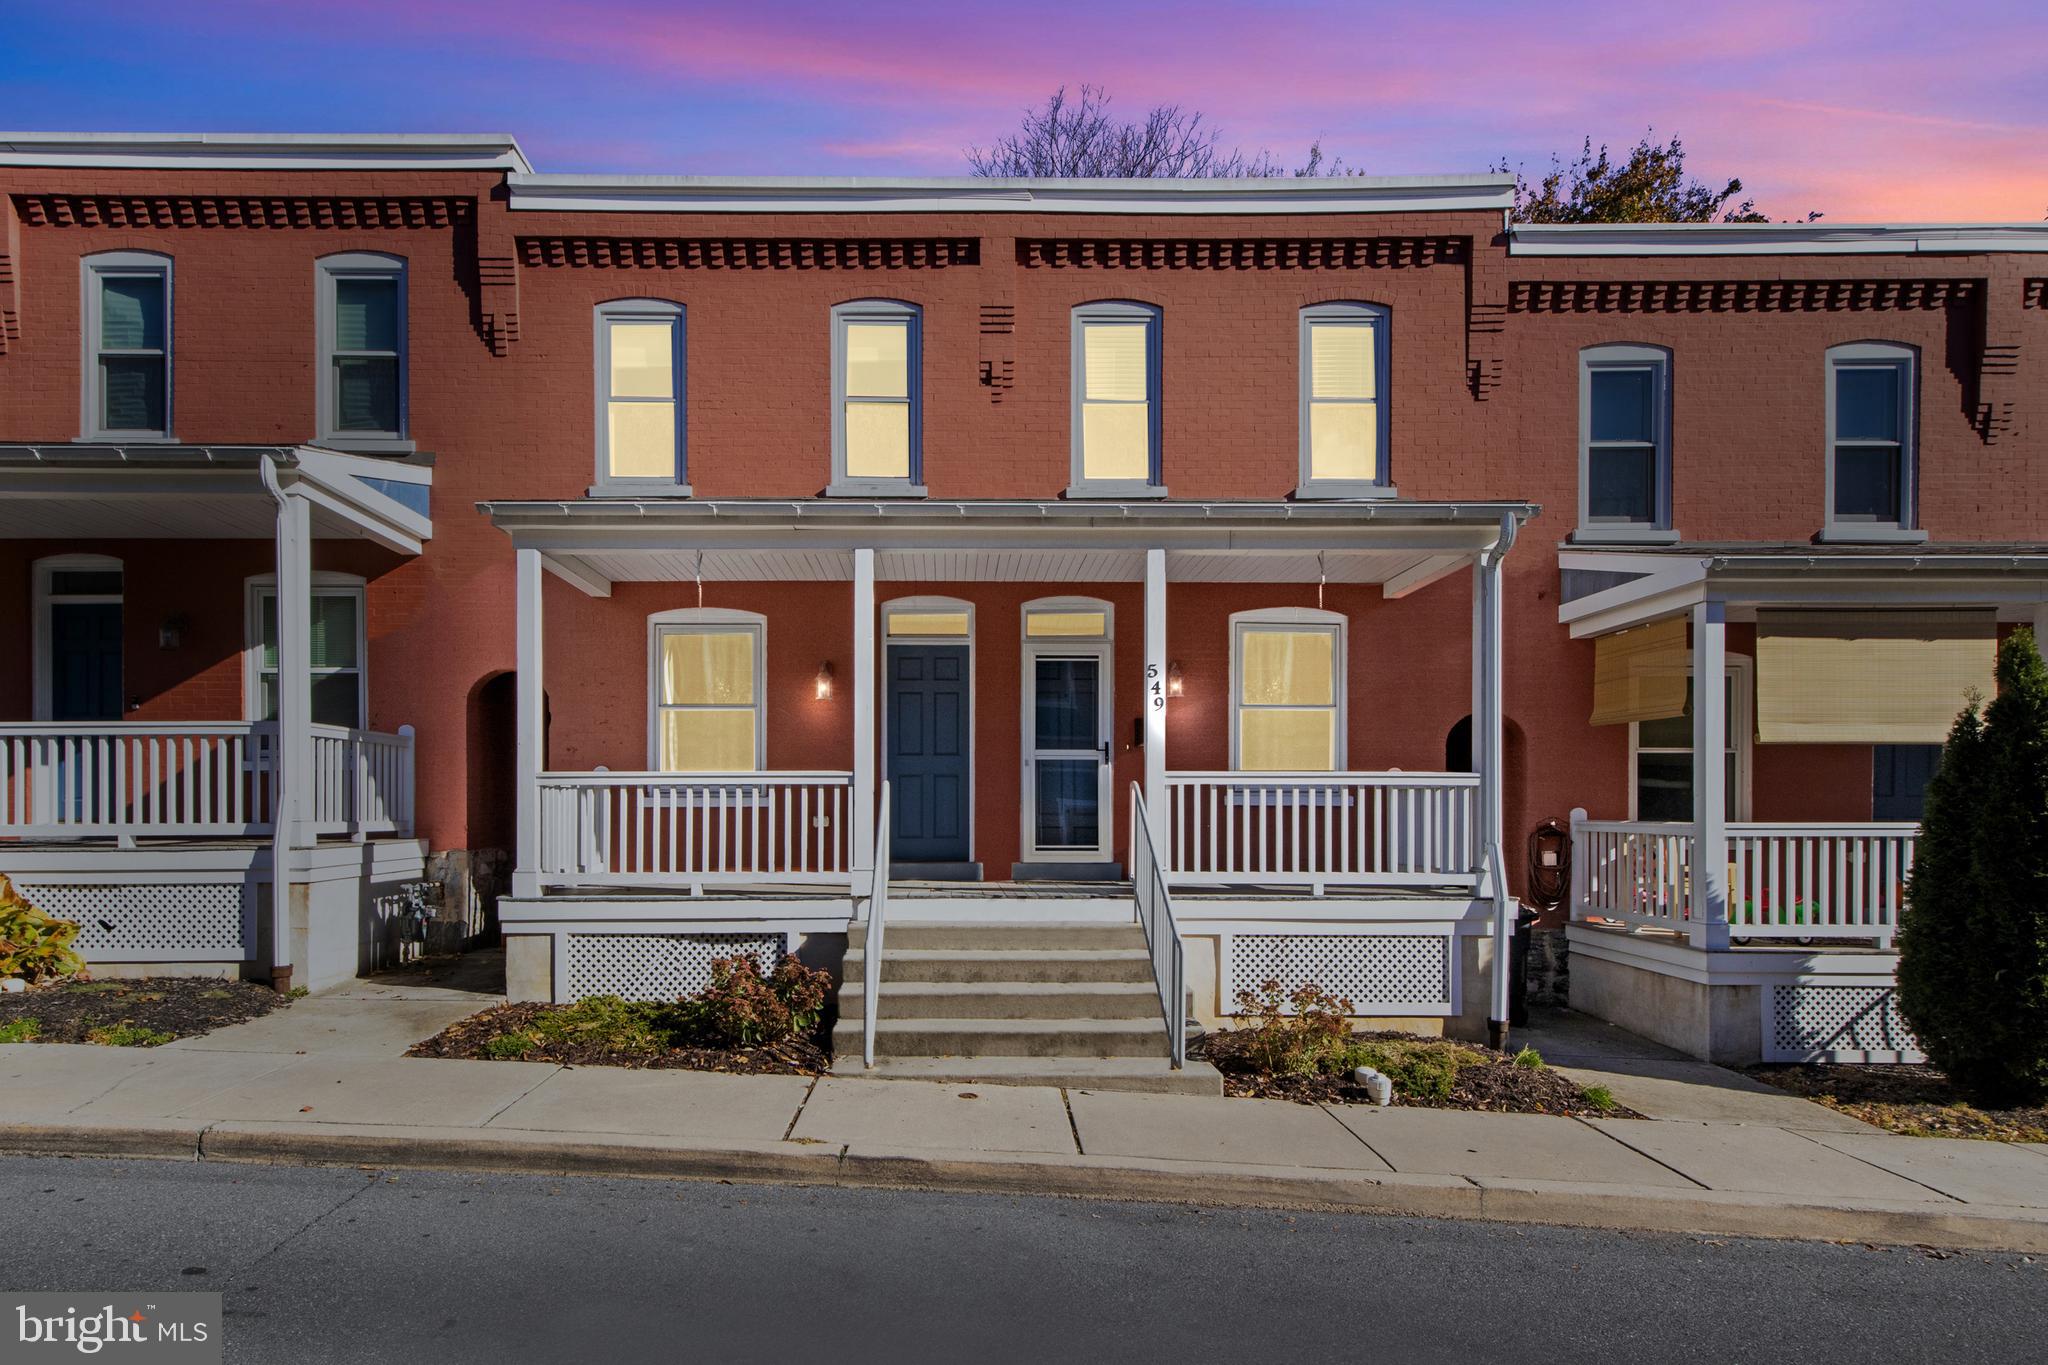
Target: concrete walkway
(324,1082)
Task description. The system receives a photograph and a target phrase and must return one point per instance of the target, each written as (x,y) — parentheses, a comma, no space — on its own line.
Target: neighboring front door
(1899,774)
(85,661)
(1066,770)
(927,768)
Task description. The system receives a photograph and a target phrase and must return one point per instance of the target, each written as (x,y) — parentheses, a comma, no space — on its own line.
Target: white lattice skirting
(1836,1023)
(655,966)
(145,922)
(1381,974)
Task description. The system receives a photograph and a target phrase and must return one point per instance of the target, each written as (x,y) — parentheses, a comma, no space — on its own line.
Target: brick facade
(1483,404)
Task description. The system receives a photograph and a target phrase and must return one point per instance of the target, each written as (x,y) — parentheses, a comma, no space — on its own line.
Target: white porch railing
(84,780)
(1796,881)
(1154,905)
(651,829)
(1322,829)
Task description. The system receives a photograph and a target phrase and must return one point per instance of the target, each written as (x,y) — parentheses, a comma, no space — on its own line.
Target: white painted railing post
(532,723)
(1575,907)
(862,847)
(1156,796)
(407,796)
(1709,926)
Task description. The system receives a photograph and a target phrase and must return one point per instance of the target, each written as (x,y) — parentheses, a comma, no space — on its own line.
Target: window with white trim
(706,690)
(1116,416)
(640,414)
(1287,690)
(125,387)
(338,647)
(1624,443)
(1343,413)
(361,314)
(1871,430)
(877,382)
(1660,755)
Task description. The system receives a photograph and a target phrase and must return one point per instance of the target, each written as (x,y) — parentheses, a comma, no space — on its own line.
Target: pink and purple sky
(1893,110)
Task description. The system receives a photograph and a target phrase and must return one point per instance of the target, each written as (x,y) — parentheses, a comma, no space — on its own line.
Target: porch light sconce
(1175,685)
(823,682)
(171,633)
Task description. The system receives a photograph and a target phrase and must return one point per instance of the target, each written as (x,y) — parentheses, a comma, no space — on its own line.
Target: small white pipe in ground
(1376,1085)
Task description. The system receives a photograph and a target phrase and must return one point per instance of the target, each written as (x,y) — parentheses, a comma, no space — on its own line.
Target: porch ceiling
(204,493)
(1609,590)
(1401,546)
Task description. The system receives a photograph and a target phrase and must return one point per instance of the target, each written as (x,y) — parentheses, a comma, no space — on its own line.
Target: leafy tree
(1649,186)
(1973,944)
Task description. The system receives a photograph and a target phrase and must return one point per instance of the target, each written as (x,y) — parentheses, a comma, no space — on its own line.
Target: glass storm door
(1067,754)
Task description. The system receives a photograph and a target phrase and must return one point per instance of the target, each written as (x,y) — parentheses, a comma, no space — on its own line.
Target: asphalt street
(371,1265)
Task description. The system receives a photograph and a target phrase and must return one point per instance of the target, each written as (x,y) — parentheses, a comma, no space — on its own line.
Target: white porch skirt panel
(1381,974)
(654,966)
(184,921)
(1807,1022)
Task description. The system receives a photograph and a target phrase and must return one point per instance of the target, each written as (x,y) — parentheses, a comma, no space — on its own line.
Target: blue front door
(927,767)
(85,661)
(1899,774)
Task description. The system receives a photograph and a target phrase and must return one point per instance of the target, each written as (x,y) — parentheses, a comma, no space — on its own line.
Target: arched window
(1287,690)
(705,680)
(125,386)
(640,411)
(877,393)
(1344,400)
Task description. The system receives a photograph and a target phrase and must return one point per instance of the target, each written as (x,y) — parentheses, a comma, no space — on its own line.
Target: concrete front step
(1007,1000)
(956,1038)
(1154,1075)
(997,936)
(1076,965)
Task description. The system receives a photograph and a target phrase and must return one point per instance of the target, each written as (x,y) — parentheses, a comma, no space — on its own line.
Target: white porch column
(1155,698)
(1487,707)
(532,708)
(292,773)
(1709,775)
(2041,630)
(864,783)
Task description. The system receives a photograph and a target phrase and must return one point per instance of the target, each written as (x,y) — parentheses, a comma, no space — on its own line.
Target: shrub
(1309,1040)
(1598,1096)
(1973,942)
(1530,1058)
(34,945)
(1423,1069)
(603,1021)
(742,1007)
(23,1030)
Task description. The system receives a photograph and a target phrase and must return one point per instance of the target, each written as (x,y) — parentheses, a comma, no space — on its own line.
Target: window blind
(1840,677)
(1640,674)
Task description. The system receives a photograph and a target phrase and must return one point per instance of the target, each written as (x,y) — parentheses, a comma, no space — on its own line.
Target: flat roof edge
(265,151)
(1772,239)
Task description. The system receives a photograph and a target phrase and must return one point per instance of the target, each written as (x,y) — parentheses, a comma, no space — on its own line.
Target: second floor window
(1343,399)
(126,385)
(362,351)
(1116,400)
(1624,443)
(640,395)
(1870,438)
(876,378)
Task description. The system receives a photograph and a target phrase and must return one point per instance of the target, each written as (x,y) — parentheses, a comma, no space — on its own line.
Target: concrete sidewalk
(261,1100)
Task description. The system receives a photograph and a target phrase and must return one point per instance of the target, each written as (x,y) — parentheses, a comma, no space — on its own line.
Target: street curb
(1390,1194)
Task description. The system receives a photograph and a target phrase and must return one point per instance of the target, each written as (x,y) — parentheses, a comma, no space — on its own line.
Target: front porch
(1742,939)
(164,833)
(1085,649)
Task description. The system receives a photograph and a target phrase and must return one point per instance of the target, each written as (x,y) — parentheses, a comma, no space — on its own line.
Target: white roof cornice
(1772,239)
(267,151)
(954,194)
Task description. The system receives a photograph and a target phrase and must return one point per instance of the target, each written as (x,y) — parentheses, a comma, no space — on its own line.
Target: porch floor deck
(1005,890)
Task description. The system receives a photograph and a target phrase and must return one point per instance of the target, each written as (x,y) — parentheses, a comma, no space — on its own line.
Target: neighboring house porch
(1744,918)
(1009,673)
(166,837)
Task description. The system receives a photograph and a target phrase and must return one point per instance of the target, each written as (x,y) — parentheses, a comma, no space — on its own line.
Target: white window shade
(709,700)
(1869,677)
(1287,699)
(1640,674)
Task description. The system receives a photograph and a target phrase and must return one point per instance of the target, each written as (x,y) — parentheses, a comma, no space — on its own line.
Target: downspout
(281,825)
(1496,815)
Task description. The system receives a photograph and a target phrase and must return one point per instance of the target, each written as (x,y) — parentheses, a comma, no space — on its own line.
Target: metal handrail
(878,909)
(1154,907)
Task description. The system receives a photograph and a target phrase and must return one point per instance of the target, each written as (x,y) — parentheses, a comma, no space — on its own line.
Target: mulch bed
(1915,1100)
(182,1006)
(468,1038)
(1496,1084)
